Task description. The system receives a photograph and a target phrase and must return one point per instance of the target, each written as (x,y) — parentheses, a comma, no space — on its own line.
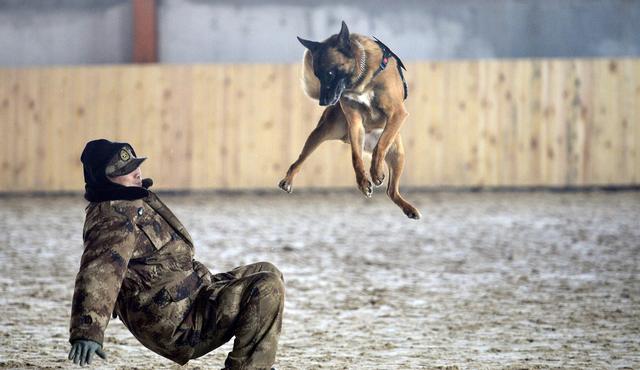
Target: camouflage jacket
(138,264)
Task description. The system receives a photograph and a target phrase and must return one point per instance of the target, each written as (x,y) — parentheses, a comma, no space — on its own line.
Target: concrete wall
(40,32)
(264,30)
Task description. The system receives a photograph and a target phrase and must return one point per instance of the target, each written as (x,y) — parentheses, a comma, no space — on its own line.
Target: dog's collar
(361,65)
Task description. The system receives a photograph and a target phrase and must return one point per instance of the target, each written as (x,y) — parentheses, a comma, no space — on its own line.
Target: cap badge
(124,155)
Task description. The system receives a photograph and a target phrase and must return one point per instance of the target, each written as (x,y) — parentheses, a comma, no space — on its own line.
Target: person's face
(133,178)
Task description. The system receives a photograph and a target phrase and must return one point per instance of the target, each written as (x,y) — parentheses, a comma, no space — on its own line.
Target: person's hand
(82,351)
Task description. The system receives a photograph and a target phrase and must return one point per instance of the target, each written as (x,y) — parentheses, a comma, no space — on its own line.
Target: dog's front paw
(377,177)
(285,185)
(365,186)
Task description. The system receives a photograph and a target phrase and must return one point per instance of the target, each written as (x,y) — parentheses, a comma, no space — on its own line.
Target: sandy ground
(484,280)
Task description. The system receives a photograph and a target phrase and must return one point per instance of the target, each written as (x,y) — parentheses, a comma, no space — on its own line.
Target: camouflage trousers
(247,303)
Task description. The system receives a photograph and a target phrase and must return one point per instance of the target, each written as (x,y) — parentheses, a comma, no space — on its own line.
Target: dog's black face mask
(333,64)
(332,84)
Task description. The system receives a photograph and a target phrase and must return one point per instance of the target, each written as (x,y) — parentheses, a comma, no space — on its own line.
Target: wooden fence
(471,123)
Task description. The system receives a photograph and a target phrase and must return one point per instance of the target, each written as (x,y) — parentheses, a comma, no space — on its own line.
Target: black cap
(123,162)
(96,156)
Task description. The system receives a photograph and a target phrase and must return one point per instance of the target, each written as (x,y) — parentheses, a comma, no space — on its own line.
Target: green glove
(82,351)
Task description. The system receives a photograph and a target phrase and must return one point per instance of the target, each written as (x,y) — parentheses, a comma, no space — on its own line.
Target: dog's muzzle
(331,94)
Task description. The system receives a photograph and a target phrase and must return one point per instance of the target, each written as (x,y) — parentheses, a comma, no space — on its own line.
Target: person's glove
(82,351)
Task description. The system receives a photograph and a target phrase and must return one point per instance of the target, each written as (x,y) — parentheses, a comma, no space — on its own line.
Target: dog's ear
(311,45)
(343,37)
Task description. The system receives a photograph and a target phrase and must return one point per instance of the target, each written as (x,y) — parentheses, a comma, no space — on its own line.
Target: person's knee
(270,267)
(269,283)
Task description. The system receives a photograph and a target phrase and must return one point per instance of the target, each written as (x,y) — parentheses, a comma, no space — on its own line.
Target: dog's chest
(365,98)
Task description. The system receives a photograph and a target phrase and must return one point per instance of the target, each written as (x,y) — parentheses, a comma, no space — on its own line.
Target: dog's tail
(309,81)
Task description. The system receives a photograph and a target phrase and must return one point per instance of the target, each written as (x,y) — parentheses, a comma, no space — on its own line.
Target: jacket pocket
(179,291)
(157,237)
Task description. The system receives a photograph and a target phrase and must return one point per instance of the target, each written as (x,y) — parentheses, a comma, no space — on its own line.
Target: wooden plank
(604,161)
(107,123)
(242,86)
(635,119)
(501,128)
(259,96)
(616,127)
(19,137)
(554,134)
(201,112)
(130,111)
(216,133)
(533,103)
(80,98)
(291,126)
(509,125)
(269,121)
(59,117)
(583,116)
(149,92)
(526,97)
(49,89)
(548,110)
(435,123)
(497,138)
(597,147)
(626,105)
(414,129)
(449,129)
(8,120)
(574,128)
(176,126)
(469,108)
(484,118)
(246,109)
(461,127)
(231,141)
(30,122)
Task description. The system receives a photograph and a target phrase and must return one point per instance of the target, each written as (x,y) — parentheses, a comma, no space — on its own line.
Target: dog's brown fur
(371,106)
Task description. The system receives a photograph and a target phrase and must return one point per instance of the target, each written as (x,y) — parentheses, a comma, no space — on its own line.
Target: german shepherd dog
(360,81)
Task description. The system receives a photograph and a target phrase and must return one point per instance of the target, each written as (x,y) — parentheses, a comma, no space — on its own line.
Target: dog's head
(333,64)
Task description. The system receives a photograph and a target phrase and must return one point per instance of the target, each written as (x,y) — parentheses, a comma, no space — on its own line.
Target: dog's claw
(366,187)
(377,176)
(284,185)
(378,181)
(413,214)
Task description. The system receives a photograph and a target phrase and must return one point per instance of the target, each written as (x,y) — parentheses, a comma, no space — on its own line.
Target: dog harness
(386,54)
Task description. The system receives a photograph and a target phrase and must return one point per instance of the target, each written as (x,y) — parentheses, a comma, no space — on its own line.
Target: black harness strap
(386,54)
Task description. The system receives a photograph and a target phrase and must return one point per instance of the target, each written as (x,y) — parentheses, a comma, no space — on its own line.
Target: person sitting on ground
(138,264)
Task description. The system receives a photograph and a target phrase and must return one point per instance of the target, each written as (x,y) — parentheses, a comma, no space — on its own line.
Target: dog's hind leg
(332,126)
(395,162)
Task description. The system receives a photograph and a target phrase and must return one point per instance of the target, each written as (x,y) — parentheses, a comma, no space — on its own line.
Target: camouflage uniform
(138,264)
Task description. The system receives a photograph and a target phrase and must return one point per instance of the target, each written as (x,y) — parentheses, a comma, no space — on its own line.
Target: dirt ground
(484,280)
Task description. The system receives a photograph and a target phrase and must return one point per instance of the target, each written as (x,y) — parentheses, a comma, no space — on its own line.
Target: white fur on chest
(364,98)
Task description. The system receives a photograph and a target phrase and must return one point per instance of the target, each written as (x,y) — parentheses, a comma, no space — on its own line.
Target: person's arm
(108,248)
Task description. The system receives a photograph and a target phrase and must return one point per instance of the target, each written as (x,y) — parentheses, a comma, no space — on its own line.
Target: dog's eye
(330,73)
